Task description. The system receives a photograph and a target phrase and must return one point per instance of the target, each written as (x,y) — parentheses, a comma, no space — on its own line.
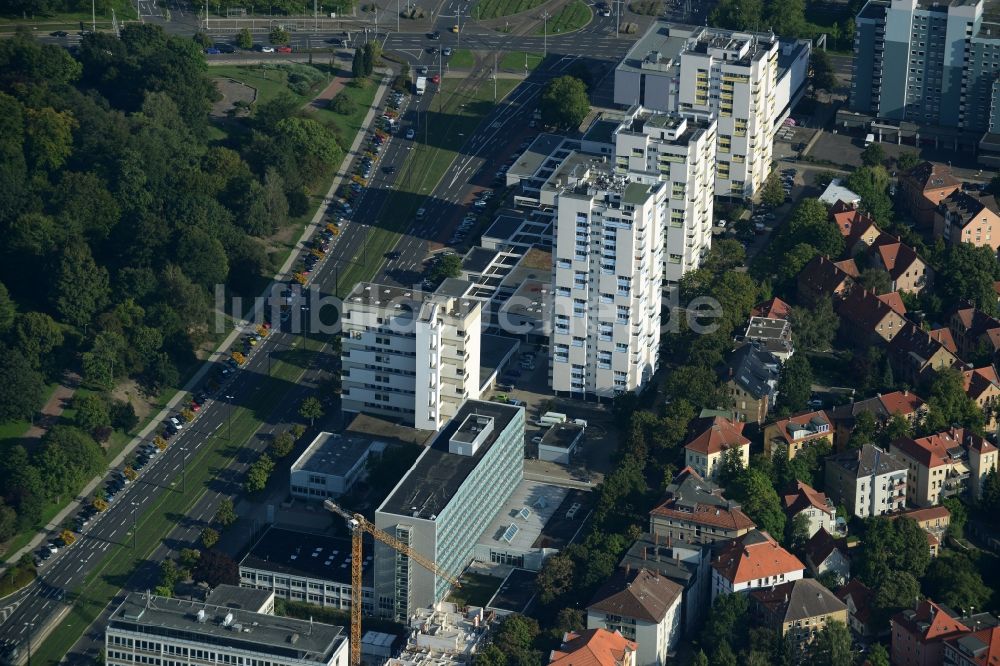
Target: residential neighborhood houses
(706,372)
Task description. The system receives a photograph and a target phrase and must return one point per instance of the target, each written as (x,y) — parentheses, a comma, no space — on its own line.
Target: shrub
(343,104)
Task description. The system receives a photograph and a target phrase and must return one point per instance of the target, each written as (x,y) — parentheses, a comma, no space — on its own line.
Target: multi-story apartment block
(753,561)
(679,151)
(798,610)
(642,606)
(944,464)
(796,432)
(607,275)
(445,501)
(695,512)
(146,629)
(748,82)
(932,63)
(408,355)
(868,481)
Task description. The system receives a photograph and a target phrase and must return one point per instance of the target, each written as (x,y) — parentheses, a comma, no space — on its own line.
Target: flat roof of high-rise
(255,633)
(437,474)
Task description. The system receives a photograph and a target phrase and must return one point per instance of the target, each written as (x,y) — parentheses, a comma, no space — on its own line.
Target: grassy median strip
(571,17)
(216,453)
(436,147)
(489,9)
(518,61)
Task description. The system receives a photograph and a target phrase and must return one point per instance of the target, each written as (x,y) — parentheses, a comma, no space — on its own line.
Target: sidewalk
(223,348)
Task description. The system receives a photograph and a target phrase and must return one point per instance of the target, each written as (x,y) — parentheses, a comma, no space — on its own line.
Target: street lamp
(545,34)
(229,418)
(184,459)
(135,505)
(29,626)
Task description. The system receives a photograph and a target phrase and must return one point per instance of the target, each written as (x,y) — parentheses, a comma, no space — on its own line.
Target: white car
(176,422)
(410,133)
(267,49)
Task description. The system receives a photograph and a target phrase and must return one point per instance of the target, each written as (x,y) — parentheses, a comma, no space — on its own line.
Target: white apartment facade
(608,267)
(747,81)
(679,151)
(408,355)
(869,481)
(734,78)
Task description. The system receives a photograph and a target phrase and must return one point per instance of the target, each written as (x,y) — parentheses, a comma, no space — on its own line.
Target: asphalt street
(25,612)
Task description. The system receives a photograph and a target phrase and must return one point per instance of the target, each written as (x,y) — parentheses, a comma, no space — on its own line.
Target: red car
(435,79)
(195,407)
(284,49)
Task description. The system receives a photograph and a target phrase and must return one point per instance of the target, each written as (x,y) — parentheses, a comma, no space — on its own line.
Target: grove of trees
(120,217)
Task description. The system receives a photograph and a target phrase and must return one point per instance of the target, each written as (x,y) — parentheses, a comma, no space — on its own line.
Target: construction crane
(359,525)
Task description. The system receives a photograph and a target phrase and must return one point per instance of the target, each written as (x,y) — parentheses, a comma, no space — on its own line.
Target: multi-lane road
(26,612)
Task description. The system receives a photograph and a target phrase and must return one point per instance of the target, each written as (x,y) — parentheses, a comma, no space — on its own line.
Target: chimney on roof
(645,553)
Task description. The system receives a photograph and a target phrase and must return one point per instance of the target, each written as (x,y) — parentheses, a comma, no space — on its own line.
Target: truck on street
(421,85)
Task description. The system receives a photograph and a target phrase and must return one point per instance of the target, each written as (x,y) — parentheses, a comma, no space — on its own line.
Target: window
(603,359)
(579,280)
(579,307)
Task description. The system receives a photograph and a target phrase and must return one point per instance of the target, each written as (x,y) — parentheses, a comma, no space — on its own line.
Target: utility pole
(618,17)
(545,34)
(459,27)
(184,460)
(93,15)
(315,17)
(494,77)
(30,626)
(397,15)
(229,418)
(134,506)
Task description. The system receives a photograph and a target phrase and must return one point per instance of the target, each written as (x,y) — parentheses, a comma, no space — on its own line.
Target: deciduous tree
(21,386)
(311,409)
(873,155)
(794,384)
(832,646)
(773,193)
(81,286)
(564,103)
(225,515)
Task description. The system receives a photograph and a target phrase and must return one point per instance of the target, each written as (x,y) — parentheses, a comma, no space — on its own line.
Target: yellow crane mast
(359,525)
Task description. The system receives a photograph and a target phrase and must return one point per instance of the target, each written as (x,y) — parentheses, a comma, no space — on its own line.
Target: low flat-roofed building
(331,465)
(377,647)
(517,231)
(242,598)
(515,535)
(150,629)
(836,191)
(444,502)
(306,567)
(560,442)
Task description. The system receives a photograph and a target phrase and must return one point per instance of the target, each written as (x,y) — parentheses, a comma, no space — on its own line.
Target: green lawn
(124,11)
(12,431)
(476,590)
(515,61)
(269,80)
(462,59)
(489,9)
(426,164)
(572,17)
(212,456)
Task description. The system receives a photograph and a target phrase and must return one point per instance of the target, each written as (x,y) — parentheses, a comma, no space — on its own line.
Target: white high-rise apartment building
(747,81)
(734,78)
(408,355)
(651,147)
(608,245)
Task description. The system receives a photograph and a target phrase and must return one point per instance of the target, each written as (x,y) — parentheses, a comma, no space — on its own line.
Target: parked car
(284,49)
(267,49)
(211,50)
(410,133)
